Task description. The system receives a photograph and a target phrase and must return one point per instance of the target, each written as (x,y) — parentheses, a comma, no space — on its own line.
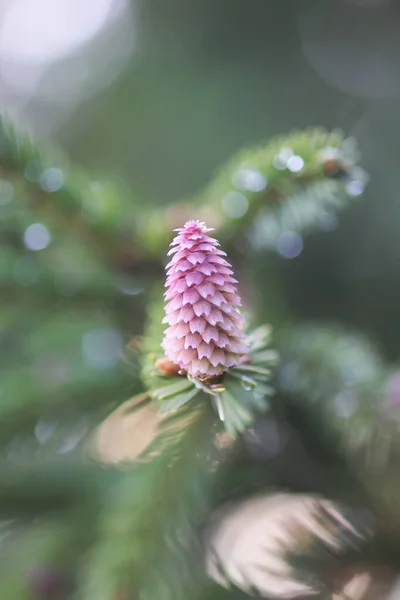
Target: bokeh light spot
(52,180)
(280,161)
(289,244)
(355,187)
(46,30)
(37,237)
(235,205)
(102,348)
(353,49)
(295,163)
(249,179)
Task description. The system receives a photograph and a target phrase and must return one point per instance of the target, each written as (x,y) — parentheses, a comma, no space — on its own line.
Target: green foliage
(47,177)
(59,298)
(246,386)
(150,343)
(340,380)
(66,311)
(240,393)
(293,183)
(153,512)
(265,191)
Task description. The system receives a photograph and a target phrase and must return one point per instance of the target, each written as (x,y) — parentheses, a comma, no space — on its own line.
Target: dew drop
(246,386)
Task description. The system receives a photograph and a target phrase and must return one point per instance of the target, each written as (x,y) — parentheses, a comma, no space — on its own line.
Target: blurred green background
(157,94)
(202,79)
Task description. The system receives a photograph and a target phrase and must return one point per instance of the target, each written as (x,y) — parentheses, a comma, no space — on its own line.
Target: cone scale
(205,335)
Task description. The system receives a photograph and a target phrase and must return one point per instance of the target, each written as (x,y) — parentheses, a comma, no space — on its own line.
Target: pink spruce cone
(205,334)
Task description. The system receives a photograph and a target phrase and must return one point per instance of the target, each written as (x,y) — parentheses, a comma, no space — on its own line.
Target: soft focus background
(152,96)
(161,92)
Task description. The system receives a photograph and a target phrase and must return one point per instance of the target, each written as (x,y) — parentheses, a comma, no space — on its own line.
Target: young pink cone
(205,334)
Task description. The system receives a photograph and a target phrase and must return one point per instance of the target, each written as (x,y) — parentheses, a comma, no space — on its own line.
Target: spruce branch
(49,298)
(151,514)
(292,183)
(147,538)
(43,373)
(52,182)
(30,487)
(340,383)
(91,221)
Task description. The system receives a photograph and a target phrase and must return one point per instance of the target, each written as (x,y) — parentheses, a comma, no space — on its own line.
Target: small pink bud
(205,334)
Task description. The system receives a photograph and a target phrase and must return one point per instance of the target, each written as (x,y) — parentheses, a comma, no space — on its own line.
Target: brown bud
(166,367)
(331,166)
(246,360)
(334,167)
